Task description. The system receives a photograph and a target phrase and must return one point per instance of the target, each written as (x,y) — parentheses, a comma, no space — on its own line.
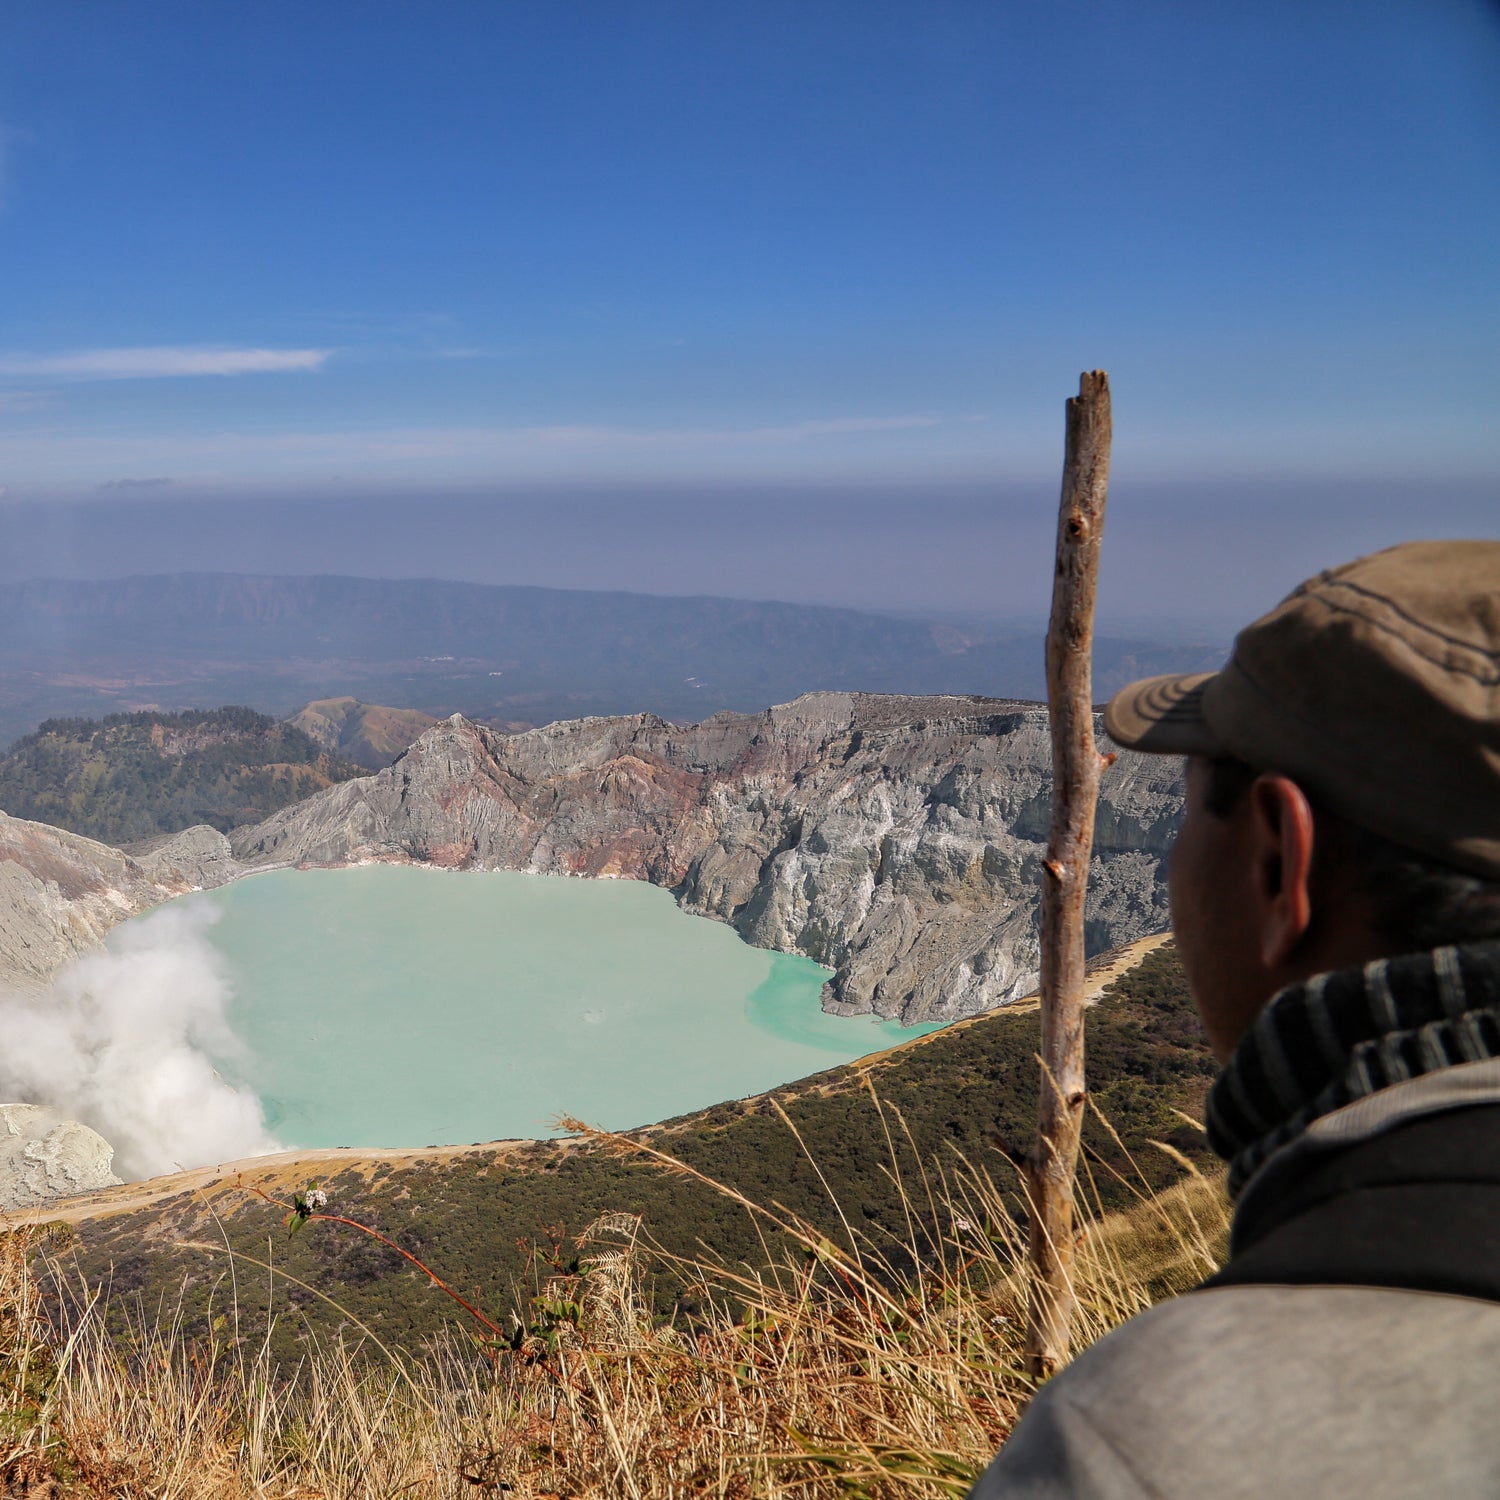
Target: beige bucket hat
(1376,686)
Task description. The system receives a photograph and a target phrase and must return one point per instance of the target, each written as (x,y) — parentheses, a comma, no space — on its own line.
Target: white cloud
(52,457)
(851,424)
(19,400)
(160,361)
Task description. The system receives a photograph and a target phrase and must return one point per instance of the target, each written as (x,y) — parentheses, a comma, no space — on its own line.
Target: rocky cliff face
(44,1156)
(60,892)
(896,840)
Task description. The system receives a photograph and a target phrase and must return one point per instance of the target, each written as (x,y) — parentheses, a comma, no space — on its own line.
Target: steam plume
(125,1040)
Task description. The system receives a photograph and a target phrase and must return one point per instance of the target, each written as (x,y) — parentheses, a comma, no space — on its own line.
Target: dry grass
(886,1369)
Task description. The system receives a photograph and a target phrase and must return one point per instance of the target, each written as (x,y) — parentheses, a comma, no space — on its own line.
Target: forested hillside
(130,776)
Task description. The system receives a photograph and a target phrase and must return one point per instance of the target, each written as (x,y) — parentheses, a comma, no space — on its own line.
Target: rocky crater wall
(896,840)
(60,893)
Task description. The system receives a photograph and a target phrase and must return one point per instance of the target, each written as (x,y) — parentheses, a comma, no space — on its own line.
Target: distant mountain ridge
(504,653)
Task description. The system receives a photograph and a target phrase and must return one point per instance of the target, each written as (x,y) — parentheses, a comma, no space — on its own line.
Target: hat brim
(1163,716)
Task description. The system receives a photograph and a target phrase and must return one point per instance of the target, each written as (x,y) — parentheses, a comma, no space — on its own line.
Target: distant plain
(510,656)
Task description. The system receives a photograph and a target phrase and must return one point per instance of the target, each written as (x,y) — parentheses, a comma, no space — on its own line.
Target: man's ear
(1283,828)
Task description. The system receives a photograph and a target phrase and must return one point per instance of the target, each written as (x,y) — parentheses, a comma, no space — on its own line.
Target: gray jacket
(1329,1393)
(1350,1347)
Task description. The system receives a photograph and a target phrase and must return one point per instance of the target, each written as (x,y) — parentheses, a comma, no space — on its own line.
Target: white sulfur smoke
(124,1041)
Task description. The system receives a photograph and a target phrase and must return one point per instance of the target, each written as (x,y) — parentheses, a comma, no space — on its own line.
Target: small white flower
(317,1199)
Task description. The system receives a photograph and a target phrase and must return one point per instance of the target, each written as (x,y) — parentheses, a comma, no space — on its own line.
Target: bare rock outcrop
(199,855)
(45,1156)
(896,840)
(60,893)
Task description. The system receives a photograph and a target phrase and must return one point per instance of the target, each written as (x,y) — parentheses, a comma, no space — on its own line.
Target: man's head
(1343,777)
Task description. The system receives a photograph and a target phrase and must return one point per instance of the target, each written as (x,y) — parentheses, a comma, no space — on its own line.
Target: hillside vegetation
(368,734)
(830,1150)
(131,776)
(849,1327)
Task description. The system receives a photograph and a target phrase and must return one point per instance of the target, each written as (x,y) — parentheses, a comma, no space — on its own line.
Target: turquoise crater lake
(388,1005)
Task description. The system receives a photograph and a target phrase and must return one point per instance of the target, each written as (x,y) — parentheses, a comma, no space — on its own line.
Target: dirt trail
(276,1174)
(281,1173)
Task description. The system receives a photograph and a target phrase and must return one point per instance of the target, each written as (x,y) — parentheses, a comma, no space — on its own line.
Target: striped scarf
(1342,1036)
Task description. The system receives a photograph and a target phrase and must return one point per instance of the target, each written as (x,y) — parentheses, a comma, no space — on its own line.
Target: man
(1335,896)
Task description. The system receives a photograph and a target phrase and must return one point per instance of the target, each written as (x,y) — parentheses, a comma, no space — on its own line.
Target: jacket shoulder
(1255,1390)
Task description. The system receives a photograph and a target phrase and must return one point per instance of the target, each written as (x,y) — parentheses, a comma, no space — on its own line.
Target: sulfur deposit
(44,1156)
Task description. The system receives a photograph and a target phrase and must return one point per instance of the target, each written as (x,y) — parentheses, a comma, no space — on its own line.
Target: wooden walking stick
(1051,1167)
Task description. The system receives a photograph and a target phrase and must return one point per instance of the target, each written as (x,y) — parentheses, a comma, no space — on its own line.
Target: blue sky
(461,249)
